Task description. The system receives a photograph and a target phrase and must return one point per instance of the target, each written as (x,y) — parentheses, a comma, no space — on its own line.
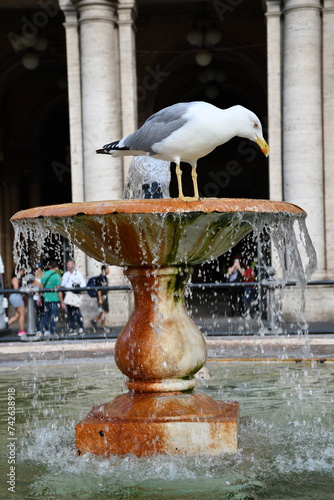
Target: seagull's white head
(249,126)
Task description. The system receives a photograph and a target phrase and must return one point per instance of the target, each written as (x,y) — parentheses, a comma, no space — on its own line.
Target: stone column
(328,124)
(101,109)
(302,116)
(75,111)
(128,71)
(274,64)
(74,98)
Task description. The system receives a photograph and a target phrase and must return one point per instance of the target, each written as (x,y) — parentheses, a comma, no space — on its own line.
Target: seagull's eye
(256,125)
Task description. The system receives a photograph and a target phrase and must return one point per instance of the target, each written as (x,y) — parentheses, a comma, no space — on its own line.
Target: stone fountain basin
(165,232)
(160,348)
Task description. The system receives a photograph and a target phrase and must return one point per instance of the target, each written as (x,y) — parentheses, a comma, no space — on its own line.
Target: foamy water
(286,436)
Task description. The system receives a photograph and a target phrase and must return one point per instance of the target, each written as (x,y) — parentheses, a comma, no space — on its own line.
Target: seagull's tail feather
(111,148)
(102,151)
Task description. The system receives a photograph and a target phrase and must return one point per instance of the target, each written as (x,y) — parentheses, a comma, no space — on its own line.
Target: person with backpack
(73,279)
(102,298)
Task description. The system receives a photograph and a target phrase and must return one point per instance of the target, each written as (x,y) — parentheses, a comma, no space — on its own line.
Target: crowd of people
(50,305)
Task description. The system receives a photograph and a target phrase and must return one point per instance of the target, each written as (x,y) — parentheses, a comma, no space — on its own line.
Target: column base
(172,423)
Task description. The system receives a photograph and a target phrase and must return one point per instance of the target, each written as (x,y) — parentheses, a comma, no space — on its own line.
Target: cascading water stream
(289,242)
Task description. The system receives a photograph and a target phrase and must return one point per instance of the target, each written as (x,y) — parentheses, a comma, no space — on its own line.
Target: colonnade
(300,41)
(101,68)
(101,72)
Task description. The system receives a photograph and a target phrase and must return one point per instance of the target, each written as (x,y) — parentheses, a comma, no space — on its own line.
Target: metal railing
(263,283)
(263,286)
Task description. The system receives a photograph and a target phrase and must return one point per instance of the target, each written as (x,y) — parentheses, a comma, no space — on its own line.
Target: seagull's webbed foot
(188,198)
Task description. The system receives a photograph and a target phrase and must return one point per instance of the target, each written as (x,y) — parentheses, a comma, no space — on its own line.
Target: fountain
(160,349)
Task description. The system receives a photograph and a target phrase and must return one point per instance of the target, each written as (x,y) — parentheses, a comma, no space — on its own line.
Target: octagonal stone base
(145,424)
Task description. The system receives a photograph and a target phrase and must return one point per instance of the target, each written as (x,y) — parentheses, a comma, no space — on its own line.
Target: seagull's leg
(179,180)
(194,177)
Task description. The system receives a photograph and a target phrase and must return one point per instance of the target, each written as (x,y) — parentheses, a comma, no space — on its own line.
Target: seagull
(187,131)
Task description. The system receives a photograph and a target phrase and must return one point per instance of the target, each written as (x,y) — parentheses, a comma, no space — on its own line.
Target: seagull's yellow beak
(263,145)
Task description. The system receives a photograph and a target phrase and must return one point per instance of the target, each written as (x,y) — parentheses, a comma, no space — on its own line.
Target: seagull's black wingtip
(102,151)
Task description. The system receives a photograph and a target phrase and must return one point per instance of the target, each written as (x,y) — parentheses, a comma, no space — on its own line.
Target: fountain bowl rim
(156,206)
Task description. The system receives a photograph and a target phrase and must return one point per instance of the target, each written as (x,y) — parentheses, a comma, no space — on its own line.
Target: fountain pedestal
(159,350)
(172,423)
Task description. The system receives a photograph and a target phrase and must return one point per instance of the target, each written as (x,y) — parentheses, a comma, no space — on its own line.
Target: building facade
(77,74)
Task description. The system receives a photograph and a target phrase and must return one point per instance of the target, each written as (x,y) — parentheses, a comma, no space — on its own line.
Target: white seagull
(186,132)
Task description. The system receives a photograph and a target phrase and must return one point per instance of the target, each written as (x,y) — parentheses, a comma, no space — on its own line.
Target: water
(286,436)
(171,239)
(141,181)
(176,238)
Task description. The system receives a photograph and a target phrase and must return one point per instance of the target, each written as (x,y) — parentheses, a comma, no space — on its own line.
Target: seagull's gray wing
(157,127)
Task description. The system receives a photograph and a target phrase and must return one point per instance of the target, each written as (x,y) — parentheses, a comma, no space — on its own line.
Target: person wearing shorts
(16,301)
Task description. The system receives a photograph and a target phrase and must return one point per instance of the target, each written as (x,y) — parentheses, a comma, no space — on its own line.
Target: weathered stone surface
(165,423)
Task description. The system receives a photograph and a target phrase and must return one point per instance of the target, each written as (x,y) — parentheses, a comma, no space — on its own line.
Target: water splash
(286,406)
(141,181)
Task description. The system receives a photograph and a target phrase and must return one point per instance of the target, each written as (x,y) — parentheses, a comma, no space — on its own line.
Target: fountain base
(173,423)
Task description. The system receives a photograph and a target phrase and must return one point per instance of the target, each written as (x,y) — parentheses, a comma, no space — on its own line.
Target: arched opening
(33,120)
(55,157)
(238,168)
(168,72)
(237,74)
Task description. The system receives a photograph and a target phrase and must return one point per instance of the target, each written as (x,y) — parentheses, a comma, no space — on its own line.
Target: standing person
(3,319)
(73,279)
(250,292)
(17,302)
(235,275)
(38,299)
(52,300)
(102,300)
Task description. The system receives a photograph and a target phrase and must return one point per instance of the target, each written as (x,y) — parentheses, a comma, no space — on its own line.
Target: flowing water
(286,436)
(159,238)
(171,239)
(147,178)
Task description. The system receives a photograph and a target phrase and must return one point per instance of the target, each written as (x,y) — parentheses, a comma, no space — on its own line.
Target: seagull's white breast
(205,129)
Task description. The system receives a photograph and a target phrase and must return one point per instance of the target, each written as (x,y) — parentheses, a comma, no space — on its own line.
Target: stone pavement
(227,339)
